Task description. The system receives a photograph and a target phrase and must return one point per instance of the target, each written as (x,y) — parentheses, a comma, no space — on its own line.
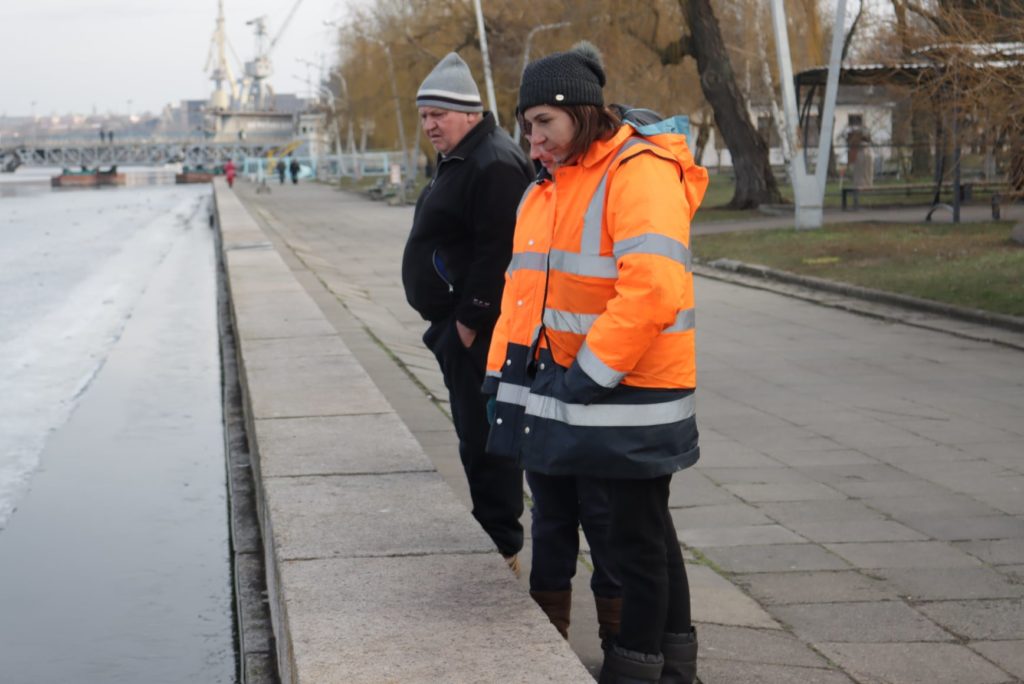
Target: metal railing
(331,166)
(142,153)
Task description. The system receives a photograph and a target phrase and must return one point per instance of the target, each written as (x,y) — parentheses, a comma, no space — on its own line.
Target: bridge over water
(131,153)
(140,152)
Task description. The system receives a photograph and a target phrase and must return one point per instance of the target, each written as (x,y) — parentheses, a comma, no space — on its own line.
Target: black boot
(680,651)
(630,667)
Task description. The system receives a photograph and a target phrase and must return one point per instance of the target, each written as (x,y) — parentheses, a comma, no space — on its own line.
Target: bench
(1000,198)
(386,190)
(967,189)
(377,190)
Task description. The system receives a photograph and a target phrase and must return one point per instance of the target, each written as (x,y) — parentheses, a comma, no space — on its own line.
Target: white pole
(831,88)
(337,124)
(785,72)
(517,135)
(808,191)
(488,79)
(398,115)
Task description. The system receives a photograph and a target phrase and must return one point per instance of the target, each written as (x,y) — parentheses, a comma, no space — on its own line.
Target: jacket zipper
(439,269)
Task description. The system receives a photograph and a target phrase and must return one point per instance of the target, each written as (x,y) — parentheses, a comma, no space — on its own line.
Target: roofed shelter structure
(959,79)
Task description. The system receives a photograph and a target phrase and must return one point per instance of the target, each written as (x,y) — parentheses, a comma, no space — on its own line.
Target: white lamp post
(526,59)
(488,79)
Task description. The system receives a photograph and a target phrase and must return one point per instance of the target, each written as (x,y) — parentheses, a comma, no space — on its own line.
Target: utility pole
(350,143)
(398,115)
(808,190)
(488,79)
(324,90)
(357,170)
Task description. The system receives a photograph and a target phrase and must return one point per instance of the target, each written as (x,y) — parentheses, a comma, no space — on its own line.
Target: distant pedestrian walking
(294,169)
(281,169)
(229,173)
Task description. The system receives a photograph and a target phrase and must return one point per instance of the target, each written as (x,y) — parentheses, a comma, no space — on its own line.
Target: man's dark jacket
(461,238)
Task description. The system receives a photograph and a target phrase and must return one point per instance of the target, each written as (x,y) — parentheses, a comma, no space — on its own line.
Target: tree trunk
(921,156)
(917,123)
(755,182)
(703,135)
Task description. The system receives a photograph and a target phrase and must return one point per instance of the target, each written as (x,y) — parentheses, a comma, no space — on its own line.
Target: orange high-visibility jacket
(592,360)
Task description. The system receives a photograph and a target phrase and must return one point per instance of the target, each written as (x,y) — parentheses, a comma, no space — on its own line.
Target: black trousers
(561,505)
(495,484)
(655,590)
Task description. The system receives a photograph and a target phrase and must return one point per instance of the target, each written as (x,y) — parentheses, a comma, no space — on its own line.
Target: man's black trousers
(495,484)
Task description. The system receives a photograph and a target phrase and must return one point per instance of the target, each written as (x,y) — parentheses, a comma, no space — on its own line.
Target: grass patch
(974,265)
(700,559)
(722,214)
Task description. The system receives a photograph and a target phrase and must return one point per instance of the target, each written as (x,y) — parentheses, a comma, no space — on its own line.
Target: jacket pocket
(578,387)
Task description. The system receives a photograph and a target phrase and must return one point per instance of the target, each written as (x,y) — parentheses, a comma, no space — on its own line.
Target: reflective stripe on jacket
(592,360)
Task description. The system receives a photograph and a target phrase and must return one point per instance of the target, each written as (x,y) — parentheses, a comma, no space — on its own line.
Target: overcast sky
(73,55)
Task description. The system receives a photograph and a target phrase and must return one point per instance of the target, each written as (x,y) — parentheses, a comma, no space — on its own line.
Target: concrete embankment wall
(375,572)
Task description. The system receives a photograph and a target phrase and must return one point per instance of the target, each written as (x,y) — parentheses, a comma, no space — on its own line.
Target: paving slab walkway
(374,570)
(858,510)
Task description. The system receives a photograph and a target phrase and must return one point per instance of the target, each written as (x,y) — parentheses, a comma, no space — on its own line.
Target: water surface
(114,551)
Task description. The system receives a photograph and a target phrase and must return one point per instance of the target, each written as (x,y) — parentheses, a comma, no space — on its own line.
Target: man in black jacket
(453,271)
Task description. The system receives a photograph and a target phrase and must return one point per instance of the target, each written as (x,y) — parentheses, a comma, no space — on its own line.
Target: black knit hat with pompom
(573,77)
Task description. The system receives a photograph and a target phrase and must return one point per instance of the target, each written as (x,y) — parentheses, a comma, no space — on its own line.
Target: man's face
(446,128)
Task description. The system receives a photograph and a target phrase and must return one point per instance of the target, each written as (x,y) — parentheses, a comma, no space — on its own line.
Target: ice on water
(73,265)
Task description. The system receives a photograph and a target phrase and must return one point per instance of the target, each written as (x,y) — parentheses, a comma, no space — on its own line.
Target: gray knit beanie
(450,86)
(574,77)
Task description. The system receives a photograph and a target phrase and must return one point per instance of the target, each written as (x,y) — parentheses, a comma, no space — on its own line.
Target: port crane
(256,93)
(219,67)
(251,91)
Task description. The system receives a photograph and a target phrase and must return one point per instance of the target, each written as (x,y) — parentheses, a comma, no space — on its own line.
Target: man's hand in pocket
(466,335)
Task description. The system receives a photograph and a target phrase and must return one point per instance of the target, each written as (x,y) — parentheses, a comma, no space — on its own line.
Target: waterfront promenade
(857,514)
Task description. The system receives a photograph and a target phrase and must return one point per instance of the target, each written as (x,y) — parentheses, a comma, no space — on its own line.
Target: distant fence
(883,161)
(366,164)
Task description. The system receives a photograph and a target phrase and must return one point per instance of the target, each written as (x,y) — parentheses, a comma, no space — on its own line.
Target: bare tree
(977,79)
(650,60)
(702,41)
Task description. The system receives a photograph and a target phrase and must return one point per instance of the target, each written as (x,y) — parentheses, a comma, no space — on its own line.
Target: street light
(325,91)
(350,141)
(407,161)
(488,79)
(526,58)
(398,115)
(337,126)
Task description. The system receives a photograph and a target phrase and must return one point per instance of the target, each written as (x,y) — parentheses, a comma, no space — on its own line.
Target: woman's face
(550,132)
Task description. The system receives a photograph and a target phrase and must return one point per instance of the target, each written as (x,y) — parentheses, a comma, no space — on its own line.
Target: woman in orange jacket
(592,365)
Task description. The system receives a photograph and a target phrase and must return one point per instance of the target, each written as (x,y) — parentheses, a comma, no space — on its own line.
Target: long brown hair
(592,123)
